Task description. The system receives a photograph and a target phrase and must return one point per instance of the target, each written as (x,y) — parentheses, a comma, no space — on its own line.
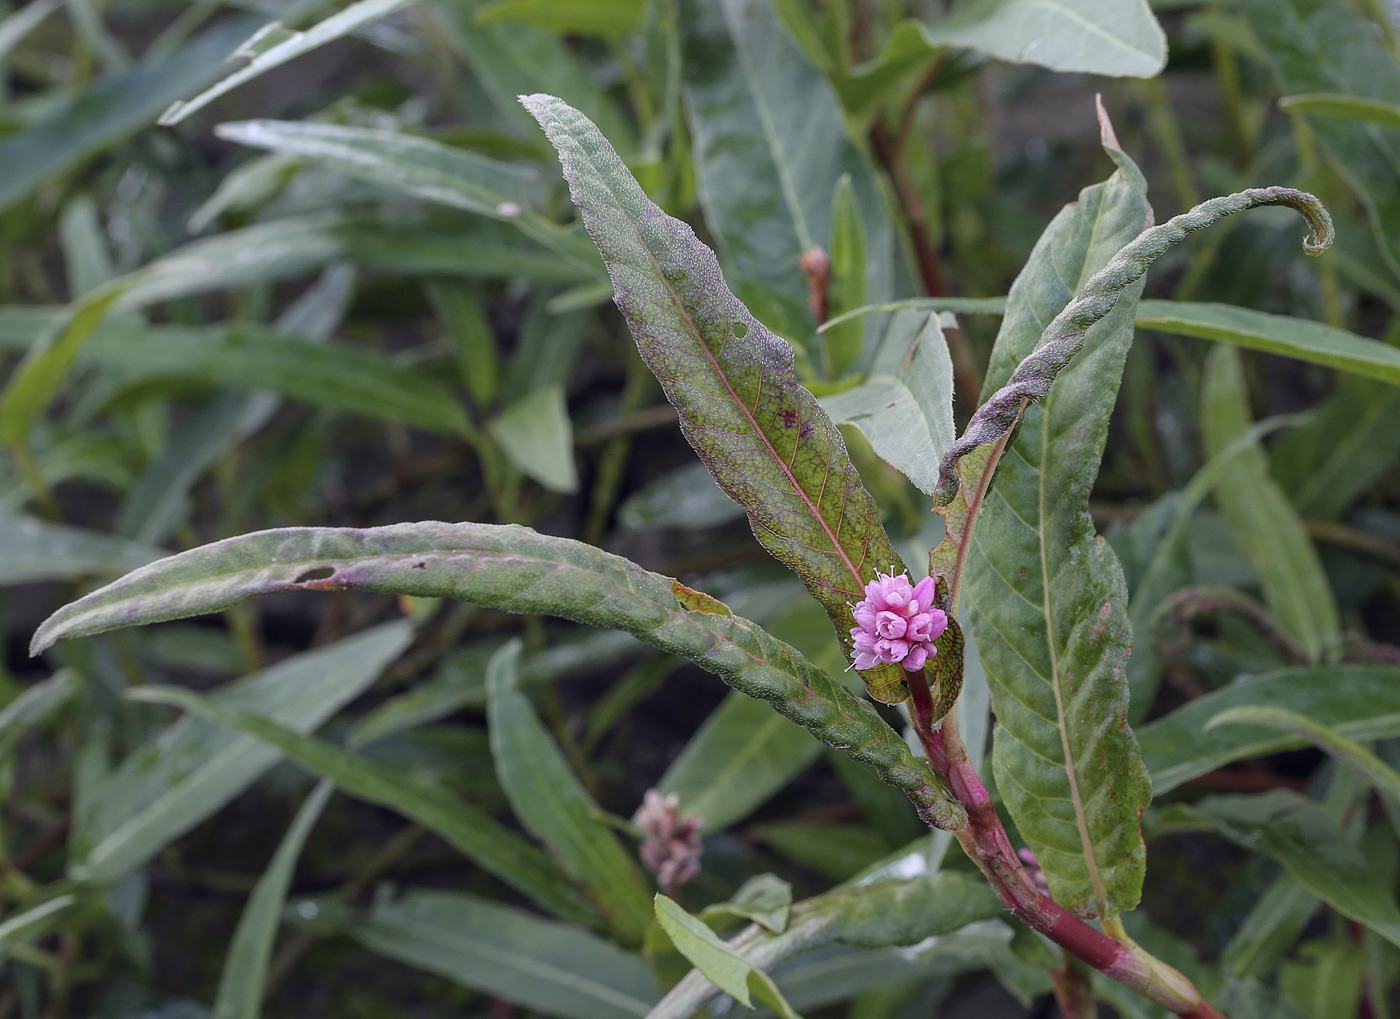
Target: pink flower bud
(896,623)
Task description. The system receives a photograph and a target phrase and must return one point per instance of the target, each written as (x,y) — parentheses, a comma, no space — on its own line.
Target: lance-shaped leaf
(514,569)
(765,439)
(1047,597)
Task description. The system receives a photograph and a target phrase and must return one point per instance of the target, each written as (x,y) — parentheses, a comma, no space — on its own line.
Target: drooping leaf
(1113,37)
(766,441)
(171,784)
(905,406)
(244,978)
(33,550)
(550,967)
(1048,604)
(1324,46)
(724,967)
(1262,521)
(552,804)
(738,759)
(1275,334)
(536,435)
(878,914)
(770,148)
(272,45)
(1307,841)
(1361,702)
(1351,753)
(517,570)
(111,111)
(474,832)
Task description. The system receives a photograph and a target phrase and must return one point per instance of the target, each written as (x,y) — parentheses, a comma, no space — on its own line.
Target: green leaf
(838,851)
(878,914)
(412,164)
(552,804)
(33,550)
(284,47)
(1361,702)
(1334,104)
(767,442)
(1048,604)
(1303,837)
(685,497)
(536,435)
(510,954)
(110,112)
(1351,753)
(1271,928)
(1120,38)
(770,150)
(468,829)
(739,758)
(35,705)
(1274,334)
(728,970)
(905,406)
(1323,46)
(1262,521)
(568,17)
(514,569)
(848,259)
(18,24)
(24,927)
(765,899)
(244,978)
(473,339)
(87,260)
(169,785)
(1325,977)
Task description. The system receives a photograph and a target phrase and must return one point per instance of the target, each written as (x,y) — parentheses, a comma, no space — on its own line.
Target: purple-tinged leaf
(767,442)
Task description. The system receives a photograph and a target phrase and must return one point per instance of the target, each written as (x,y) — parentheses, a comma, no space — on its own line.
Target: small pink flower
(897,623)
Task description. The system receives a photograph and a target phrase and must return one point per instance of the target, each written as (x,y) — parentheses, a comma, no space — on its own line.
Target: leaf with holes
(1047,597)
(766,441)
(516,570)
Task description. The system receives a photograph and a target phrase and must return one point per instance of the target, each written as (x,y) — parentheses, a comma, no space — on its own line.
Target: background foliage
(345,286)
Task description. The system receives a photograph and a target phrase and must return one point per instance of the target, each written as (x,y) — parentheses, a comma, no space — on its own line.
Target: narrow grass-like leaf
(552,804)
(1047,597)
(1262,521)
(24,927)
(1270,929)
(878,914)
(766,441)
(467,828)
(1351,753)
(172,783)
(409,163)
(33,550)
(1360,702)
(1349,442)
(770,149)
(1274,334)
(110,112)
(286,47)
(724,967)
(1324,46)
(1302,836)
(842,344)
(738,759)
(567,17)
(548,967)
(1335,104)
(244,978)
(35,705)
(517,570)
(1112,37)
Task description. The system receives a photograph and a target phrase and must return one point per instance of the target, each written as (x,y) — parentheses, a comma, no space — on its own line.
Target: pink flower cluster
(898,623)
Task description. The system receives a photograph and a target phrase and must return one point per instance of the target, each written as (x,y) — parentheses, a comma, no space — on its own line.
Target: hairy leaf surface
(1047,596)
(517,570)
(765,439)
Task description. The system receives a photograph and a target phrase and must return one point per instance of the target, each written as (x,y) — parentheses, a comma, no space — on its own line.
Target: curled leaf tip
(1107,136)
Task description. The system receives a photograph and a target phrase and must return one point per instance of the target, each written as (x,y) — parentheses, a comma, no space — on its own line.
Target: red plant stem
(986,843)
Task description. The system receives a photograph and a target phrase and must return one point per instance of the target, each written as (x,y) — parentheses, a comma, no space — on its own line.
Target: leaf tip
(1107,136)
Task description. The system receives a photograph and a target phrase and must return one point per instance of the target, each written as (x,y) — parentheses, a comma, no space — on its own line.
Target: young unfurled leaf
(766,441)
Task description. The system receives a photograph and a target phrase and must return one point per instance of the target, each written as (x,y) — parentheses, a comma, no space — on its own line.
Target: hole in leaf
(319,573)
(740,330)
